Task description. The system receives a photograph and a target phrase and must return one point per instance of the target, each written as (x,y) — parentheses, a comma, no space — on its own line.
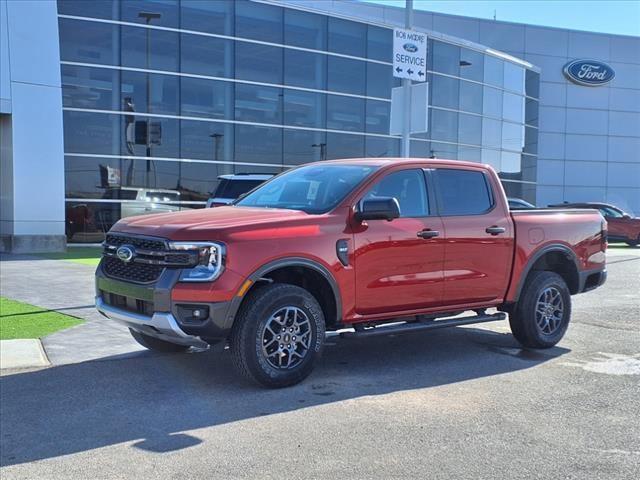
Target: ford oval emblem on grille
(126,253)
(410,47)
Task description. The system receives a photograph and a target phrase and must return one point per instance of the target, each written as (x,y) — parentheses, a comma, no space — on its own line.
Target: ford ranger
(371,245)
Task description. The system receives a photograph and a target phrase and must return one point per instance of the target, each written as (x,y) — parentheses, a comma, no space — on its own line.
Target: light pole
(406,90)
(216,144)
(323,150)
(148,16)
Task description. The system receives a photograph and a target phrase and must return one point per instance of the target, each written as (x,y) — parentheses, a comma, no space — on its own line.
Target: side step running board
(419,326)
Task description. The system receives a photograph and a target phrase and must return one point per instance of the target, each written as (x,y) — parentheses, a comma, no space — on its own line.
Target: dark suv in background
(230,187)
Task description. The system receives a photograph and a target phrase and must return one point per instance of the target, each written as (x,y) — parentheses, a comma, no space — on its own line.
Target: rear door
(399,263)
(479,236)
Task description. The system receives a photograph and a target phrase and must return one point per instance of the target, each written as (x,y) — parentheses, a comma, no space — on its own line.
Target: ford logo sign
(591,73)
(126,253)
(410,47)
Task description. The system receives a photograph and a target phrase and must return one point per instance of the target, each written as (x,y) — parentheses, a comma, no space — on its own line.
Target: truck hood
(208,223)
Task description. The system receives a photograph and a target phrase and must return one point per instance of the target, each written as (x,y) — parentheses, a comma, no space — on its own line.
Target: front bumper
(149,309)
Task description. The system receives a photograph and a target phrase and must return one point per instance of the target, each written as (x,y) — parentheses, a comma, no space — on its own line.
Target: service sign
(409,54)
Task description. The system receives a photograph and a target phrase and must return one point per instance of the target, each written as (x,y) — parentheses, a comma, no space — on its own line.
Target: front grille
(133,272)
(143,243)
(130,304)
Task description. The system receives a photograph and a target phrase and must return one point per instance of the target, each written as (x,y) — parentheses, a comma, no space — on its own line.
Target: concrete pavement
(22,353)
(457,403)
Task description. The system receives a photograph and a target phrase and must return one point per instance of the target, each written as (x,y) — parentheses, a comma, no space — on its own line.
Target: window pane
(383,147)
(165,136)
(347,37)
(510,166)
(163,12)
(85,87)
(470,97)
(470,129)
(258,144)
(305,69)
(206,56)
(469,154)
(255,103)
(306,109)
(530,140)
(532,84)
(379,43)
(406,186)
(446,58)
(302,146)
(380,80)
(260,63)
(378,114)
(163,49)
(162,92)
(463,192)
(493,70)
(491,133)
(492,102)
(206,140)
(471,65)
(444,125)
(91,133)
(88,42)
(491,157)
(512,136)
(513,77)
(443,150)
(96,9)
(304,29)
(259,21)
(531,112)
(345,113)
(513,107)
(211,17)
(342,145)
(345,75)
(206,98)
(444,92)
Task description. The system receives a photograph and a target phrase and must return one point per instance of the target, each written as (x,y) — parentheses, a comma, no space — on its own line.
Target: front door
(399,263)
(479,236)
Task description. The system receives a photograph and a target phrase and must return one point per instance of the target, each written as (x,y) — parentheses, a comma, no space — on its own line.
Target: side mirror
(381,208)
(626,216)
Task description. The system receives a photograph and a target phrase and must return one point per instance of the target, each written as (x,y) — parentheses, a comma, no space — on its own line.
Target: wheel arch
(557,258)
(300,271)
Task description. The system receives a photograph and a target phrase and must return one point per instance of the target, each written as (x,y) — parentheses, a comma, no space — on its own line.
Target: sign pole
(405,148)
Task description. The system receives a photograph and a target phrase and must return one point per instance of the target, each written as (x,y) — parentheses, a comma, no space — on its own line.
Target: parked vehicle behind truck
(377,245)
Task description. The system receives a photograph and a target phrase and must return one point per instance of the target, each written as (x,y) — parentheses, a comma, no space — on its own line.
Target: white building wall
(33,163)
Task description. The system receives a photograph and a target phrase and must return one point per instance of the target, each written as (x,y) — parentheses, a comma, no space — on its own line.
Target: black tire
(156,344)
(250,328)
(525,320)
(633,243)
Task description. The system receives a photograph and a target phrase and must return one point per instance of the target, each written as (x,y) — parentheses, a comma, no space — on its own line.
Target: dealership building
(110,109)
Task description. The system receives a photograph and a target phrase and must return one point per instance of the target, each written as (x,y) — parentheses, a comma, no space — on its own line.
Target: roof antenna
(494,14)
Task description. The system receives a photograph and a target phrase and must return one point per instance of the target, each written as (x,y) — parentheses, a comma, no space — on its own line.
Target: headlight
(211,258)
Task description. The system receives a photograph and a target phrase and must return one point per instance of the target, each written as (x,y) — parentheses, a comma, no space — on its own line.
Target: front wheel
(277,335)
(541,317)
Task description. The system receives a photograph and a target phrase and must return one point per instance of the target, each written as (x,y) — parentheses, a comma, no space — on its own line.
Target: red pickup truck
(374,245)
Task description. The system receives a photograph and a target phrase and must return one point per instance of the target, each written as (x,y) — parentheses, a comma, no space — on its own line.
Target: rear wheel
(156,344)
(278,335)
(541,317)
(634,243)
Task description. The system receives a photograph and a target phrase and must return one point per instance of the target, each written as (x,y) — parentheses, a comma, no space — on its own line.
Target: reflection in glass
(85,87)
(91,133)
(206,140)
(469,154)
(377,116)
(531,112)
(259,63)
(345,113)
(107,9)
(471,64)
(512,136)
(342,145)
(470,97)
(256,103)
(493,70)
(491,157)
(347,37)
(206,56)
(491,133)
(380,80)
(384,147)
(492,102)
(206,98)
(444,125)
(379,43)
(88,42)
(513,107)
(305,109)
(162,95)
(259,21)
(443,150)
(165,12)
(470,129)
(305,69)
(446,58)
(510,165)
(303,146)
(163,48)
(531,140)
(258,144)
(513,77)
(445,92)
(346,75)
(304,29)
(210,17)
(532,84)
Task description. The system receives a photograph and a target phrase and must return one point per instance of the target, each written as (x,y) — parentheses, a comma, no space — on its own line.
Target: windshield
(228,188)
(312,189)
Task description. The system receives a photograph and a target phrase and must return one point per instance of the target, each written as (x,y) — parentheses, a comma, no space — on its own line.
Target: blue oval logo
(410,47)
(125,253)
(591,73)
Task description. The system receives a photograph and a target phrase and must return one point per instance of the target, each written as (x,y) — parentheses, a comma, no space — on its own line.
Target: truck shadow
(151,400)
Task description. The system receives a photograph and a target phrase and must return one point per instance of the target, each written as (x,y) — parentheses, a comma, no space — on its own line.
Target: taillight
(603,235)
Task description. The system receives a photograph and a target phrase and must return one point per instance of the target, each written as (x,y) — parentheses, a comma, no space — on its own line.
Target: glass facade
(161,97)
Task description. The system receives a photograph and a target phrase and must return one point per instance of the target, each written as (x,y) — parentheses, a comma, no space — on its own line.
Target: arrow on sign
(410,72)
(398,69)
(421,73)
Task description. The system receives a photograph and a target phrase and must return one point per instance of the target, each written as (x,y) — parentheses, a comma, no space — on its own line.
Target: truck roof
(406,161)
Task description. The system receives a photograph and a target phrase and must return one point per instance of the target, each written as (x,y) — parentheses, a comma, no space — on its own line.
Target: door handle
(495,230)
(426,234)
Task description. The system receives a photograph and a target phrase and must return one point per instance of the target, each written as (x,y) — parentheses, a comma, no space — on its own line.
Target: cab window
(406,186)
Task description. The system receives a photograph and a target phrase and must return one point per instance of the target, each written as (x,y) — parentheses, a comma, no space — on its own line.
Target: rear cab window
(463,192)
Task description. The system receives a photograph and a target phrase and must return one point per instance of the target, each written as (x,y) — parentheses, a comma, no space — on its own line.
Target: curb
(22,353)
